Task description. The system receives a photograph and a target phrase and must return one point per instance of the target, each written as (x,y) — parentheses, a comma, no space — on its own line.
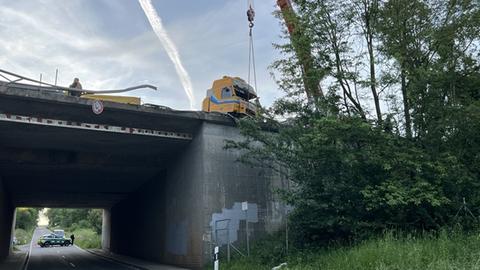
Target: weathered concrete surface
(100,168)
(183,196)
(227,183)
(7,212)
(171,214)
(106,229)
(180,209)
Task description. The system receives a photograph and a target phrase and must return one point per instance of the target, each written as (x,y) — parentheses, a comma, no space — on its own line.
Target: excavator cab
(230,95)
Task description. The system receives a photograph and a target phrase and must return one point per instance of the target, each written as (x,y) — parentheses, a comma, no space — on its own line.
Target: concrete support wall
(106,229)
(226,184)
(167,212)
(179,213)
(7,217)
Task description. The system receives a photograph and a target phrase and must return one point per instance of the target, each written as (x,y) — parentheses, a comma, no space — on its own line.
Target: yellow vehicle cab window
(226,93)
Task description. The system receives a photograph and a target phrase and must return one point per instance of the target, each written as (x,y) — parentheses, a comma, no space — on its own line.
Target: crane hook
(250,16)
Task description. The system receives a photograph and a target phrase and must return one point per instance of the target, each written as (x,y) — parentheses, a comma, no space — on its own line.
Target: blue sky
(110,44)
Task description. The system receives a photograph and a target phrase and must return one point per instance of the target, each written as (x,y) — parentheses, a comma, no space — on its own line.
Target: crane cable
(251,49)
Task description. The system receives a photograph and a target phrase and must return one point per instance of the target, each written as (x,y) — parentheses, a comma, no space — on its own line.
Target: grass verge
(442,251)
(23,237)
(86,238)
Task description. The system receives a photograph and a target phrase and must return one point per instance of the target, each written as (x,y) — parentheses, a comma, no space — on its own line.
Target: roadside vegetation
(389,139)
(85,224)
(443,250)
(26,222)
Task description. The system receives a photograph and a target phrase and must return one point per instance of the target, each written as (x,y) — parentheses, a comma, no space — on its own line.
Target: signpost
(245,208)
(216,258)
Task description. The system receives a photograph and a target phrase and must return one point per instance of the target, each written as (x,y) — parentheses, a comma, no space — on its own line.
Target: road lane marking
(72,265)
(27,259)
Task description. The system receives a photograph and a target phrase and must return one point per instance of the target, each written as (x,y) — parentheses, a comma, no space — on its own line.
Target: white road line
(31,246)
(72,265)
(29,252)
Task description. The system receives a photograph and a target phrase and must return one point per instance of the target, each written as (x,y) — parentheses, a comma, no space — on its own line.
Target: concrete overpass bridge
(158,173)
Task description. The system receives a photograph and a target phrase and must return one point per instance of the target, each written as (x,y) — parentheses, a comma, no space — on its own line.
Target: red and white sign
(97,107)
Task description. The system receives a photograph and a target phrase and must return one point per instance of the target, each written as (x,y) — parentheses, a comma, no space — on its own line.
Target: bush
(23,237)
(85,224)
(86,238)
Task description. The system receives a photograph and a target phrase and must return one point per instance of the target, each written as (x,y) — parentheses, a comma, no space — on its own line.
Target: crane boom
(311,80)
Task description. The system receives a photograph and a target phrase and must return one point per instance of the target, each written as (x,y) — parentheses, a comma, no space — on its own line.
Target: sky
(42,217)
(110,44)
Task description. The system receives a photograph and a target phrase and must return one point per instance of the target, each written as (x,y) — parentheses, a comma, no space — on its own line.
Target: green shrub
(86,238)
(23,236)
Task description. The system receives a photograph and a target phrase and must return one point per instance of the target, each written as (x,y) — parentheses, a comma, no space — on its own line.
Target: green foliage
(85,224)
(352,179)
(26,218)
(75,218)
(95,217)
(445,250)
(23,236)
(270,250)
(87,238)
(354,174)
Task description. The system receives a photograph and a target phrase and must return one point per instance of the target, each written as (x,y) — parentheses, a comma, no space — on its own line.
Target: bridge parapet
(39,101)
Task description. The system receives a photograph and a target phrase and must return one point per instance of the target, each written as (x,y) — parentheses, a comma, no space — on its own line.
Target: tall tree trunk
(406,105)
(369,38)
(340,77)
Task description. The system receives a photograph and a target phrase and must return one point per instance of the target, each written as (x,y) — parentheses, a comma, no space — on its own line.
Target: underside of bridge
(160,175)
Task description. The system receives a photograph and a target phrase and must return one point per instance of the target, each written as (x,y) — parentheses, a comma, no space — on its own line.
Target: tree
(26,218)
(350,175)
(368,14)
(72,218)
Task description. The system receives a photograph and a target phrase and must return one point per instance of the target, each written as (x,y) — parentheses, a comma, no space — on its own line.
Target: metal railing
(54,88)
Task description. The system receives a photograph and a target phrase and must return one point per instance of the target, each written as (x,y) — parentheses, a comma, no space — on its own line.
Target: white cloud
(40,36)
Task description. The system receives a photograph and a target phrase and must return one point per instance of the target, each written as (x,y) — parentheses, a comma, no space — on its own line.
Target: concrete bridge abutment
(164,216)
(106,229)
(169,189)
(7,222)
(178,216)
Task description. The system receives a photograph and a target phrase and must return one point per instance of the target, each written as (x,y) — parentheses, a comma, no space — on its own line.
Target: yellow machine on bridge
(118,99)
(230,95)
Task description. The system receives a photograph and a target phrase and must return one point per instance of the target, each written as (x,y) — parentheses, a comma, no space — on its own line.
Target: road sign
(244,206)
(97,107)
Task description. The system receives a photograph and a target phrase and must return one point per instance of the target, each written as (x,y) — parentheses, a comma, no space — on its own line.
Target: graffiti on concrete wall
(225,225)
